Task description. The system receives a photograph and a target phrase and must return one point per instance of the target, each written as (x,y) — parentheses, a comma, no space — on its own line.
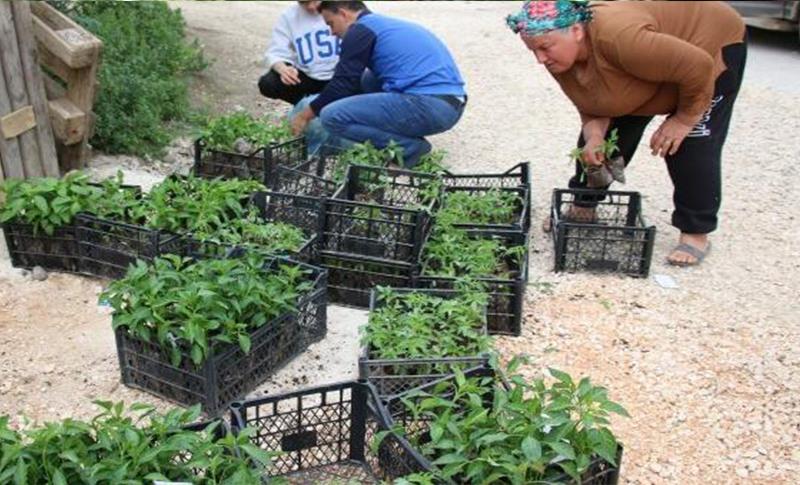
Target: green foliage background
(144,73)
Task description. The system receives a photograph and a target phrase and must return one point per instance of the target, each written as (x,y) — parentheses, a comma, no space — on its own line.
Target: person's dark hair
(336,5)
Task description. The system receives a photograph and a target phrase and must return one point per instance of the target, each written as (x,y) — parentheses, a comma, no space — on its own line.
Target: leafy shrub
(417,324)
(454,252)
(365,154)
(529,433)
(195,205)
(221,133)
(192,306)
(253,232)
(117,448)
(49,203)
(432,162)
(216,210)
(143,74)
(212,210)
(491,207)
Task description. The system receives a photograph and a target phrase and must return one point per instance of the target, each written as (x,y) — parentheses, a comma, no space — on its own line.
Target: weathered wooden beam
(69,122)
(29,58)
(53,63)
(81,92)
(10,154)
(14,124)
(54,19)
(17,92)
(63,37)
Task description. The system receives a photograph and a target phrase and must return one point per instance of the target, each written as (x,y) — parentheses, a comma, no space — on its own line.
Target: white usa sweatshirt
(304,41)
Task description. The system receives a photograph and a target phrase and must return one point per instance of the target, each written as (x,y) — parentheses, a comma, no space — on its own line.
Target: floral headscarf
(539,17)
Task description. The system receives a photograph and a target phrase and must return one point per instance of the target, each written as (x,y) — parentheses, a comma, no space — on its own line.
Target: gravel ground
(709,371)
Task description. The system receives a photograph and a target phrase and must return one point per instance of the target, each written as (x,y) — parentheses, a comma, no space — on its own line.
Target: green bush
(143,75)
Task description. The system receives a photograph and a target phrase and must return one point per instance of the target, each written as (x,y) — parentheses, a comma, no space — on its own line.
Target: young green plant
(191,204)
(190,307)
(608,148)
(493,206)
(365,154)
(454,252)
(252,232)
(419,324)
(530,432)
(222,133)
(49,203)
(134,445)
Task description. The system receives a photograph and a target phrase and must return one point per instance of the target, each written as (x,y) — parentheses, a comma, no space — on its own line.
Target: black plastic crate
(615,240)
(395,376)
(196,249)
(522,210)
(351,278)
(211,163)
(361,229)
(380,213)
(55,252)
(506,296)
(517,176)
(302,180)
(259,165)
(391,187)
(59,251)
(327,434)
(330,163)
(399,414)
(320,173)
(417,429)
(107,248)
(228,373)
(301,211)
(323,166)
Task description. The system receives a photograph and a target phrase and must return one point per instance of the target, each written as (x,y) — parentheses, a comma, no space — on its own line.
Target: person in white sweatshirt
(301,56)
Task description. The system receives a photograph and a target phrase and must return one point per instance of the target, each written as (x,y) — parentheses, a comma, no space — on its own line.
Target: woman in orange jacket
(621,64)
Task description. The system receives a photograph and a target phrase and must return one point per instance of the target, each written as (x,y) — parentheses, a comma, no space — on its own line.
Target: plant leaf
(531,449)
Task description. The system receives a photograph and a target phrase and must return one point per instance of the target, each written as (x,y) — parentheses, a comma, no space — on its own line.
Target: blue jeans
(382,117)
(317,138)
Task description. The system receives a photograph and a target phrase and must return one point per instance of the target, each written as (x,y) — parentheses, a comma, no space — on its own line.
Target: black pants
(695,167)
(272,87)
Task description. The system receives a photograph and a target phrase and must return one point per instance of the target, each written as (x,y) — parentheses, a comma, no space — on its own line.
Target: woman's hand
(594,132)
(289,74)
(593,151)
(668,137)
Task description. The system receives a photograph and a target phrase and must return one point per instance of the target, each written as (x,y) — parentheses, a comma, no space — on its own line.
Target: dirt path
(710,372)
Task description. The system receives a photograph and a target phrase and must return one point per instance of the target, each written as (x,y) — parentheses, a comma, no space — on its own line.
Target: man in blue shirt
(395,81)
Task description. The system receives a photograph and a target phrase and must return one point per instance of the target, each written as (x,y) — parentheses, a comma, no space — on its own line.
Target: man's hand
(290,76)
(301,120)
(668,137)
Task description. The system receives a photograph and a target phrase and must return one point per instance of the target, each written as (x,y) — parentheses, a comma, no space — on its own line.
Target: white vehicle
(772,15)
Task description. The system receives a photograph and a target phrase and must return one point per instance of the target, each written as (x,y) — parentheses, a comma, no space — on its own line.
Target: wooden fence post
(72,54)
